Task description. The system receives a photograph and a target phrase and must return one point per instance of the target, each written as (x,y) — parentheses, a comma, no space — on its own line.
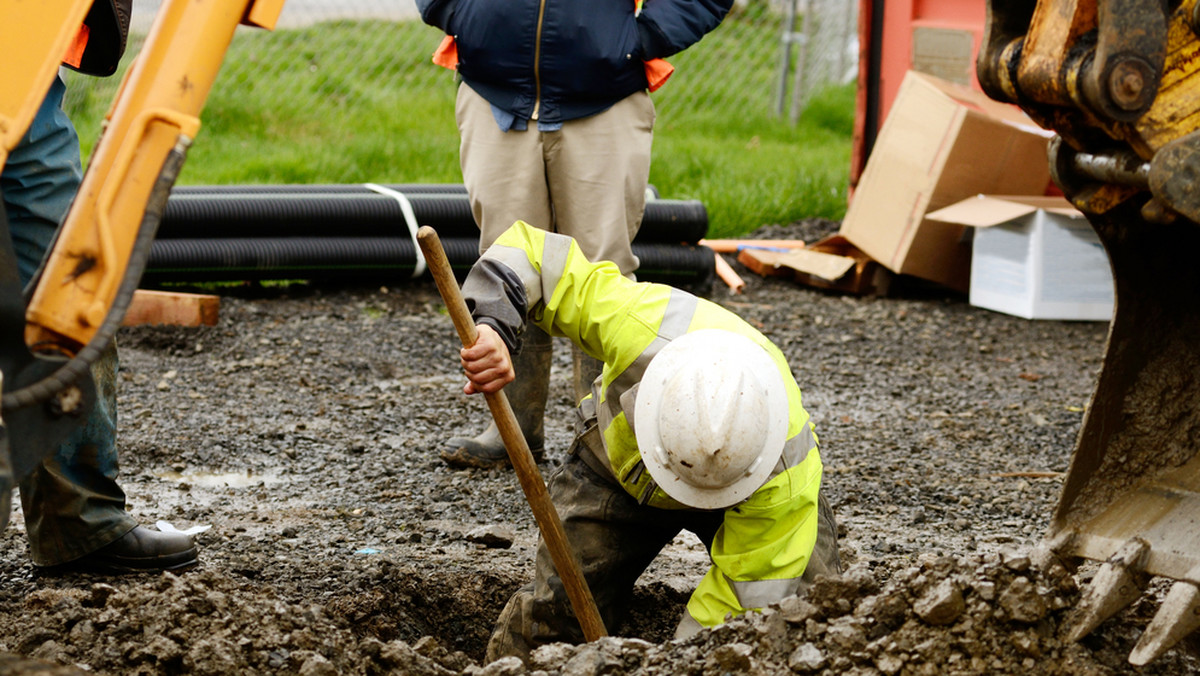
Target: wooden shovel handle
(526,469)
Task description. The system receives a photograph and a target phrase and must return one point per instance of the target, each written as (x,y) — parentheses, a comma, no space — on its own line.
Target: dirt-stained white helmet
(711,418)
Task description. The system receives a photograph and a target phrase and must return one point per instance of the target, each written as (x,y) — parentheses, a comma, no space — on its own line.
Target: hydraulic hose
(66,375)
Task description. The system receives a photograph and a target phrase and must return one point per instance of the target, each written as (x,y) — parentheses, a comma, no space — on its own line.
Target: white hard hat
(711,418)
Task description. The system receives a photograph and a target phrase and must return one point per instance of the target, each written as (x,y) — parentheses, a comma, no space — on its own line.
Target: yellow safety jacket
(761,550)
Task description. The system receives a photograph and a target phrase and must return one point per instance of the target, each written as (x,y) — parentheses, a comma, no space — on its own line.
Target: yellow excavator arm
(1119,82)
(88,278)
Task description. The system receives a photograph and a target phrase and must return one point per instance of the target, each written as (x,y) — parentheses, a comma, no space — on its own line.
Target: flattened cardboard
(826,266)
(1034,257)
(831,263)
(941,143)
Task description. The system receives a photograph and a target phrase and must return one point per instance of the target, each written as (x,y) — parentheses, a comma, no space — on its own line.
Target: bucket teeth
(1177,617)
(1118,583)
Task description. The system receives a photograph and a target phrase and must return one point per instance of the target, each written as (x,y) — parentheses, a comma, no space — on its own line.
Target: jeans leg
(72,502)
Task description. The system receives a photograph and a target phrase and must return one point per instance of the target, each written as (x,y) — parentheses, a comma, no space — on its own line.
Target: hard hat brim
(719,347)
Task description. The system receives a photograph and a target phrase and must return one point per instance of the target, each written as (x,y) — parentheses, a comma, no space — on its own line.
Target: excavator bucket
(1136,468)
(1119,82)
(1135,476)
(1134,480)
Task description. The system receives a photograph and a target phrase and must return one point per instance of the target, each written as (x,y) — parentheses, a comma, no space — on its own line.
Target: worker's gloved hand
(487,363)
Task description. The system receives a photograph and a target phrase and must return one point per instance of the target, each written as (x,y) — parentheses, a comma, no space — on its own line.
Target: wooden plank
(174,308)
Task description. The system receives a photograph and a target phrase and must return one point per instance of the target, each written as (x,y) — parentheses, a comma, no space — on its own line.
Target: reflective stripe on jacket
(764,544)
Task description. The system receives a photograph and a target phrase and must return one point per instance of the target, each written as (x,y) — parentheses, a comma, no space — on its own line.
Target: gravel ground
(304,428)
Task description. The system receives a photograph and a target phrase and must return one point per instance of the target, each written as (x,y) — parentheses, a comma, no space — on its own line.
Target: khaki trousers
(587,180)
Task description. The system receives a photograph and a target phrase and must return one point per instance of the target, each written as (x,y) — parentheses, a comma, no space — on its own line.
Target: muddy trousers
(615,539)
(72,503)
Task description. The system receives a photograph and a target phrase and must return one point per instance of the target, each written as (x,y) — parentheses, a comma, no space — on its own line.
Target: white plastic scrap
(167,527)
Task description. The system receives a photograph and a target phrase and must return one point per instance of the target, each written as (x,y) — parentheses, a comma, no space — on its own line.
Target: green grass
(315,111)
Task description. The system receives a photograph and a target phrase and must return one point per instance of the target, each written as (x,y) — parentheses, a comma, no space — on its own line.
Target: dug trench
(302,433)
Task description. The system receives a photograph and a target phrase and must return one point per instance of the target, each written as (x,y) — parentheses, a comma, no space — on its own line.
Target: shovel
(518,449)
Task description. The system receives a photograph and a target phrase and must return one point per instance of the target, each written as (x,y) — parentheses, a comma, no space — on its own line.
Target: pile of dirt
(303,430)
(988,614)
(992,613)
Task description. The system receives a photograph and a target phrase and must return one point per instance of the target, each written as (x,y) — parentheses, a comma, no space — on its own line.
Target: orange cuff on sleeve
(74,55)
(657,73)
(446,55)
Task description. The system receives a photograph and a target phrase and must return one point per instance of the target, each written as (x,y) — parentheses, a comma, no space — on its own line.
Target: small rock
(551,656)
(887,610)
(1026,643)
(492,536)
(733,658)
(589,661)
(889,664)
(847,635)
(805,658)
(986,589)
(796,610)
(941,604)
(1022,602)
(623,648)
(317,665)
(772,631)
(1018,562)
(505,666)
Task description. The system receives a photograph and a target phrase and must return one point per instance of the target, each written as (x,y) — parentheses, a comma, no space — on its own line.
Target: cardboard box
(1034,257)
(941,143)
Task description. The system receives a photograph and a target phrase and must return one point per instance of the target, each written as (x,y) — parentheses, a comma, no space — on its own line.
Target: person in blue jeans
(74,510)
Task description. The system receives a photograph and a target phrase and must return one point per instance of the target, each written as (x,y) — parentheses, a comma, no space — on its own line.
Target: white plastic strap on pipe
(410,219)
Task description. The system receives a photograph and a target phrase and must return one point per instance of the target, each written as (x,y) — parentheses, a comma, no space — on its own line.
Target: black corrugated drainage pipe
(296,188)
(316,188)
(354,214)
(389,260)
(359,231)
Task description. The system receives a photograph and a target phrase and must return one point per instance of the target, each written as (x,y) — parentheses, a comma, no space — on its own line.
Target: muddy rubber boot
(527,396)
(587,370)
(511,635)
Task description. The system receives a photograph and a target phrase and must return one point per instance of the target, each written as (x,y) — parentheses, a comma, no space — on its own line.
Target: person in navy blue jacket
(556,125)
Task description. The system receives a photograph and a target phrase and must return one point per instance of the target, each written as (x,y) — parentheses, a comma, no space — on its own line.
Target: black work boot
(587,370)
(141,550)
(527,396)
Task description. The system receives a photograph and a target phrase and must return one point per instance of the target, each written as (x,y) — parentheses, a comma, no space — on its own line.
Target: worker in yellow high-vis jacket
(695,423)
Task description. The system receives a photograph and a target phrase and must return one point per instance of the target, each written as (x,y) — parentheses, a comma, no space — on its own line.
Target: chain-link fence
(779,51)
(819,45)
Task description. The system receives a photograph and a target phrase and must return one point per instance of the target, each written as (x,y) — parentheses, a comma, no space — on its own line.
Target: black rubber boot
(527,396)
